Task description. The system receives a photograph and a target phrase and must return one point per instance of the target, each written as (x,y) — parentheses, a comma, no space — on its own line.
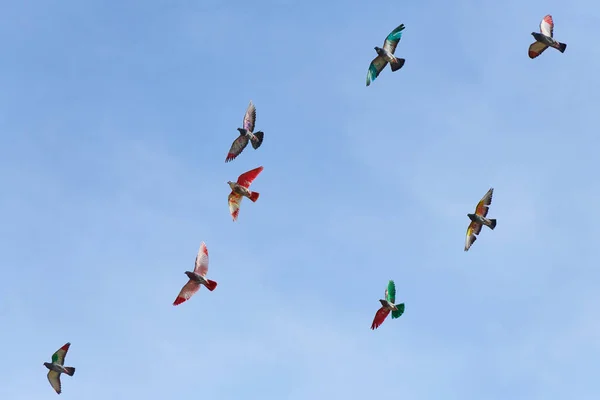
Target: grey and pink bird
(545,38)
(247,134)
(57,367)
(197,277)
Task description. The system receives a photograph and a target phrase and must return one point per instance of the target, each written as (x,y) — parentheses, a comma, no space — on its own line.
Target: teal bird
(386,55)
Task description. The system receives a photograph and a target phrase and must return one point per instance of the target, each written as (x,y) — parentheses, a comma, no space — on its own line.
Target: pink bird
(197,278)
(241,189)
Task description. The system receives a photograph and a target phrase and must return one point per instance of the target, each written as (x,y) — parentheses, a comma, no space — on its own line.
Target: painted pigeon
(388,305)
(57,367)
(197,278)
(240,189)
(386,55)
(545,38)
(246,134)
(479,218)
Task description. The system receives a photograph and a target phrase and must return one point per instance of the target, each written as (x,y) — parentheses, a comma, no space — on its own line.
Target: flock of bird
(241,189)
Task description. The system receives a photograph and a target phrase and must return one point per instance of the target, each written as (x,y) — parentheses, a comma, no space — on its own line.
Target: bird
(247,134)
(388,305)
(479,218)
(545,38)
(240,189)
(57,367)
(197,277)
(386,55)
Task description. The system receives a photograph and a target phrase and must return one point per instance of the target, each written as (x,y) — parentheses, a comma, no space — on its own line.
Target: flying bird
(545,38)
(479,218)
(386,55)
(240,189)
(388,305)
(197,277)
(247,134)
(57,367)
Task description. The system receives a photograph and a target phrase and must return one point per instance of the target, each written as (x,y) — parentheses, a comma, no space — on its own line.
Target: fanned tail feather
(211,285)
(254,196)
(492,224)
(70,371)
(259,136)
(397,313)
(562,47)
(397,64)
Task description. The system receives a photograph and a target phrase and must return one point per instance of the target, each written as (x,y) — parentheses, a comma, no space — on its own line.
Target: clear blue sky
(115,120)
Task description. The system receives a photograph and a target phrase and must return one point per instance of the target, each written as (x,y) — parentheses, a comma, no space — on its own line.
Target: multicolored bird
(388,305)
(386,55)
(479,218)
(240,189)
(197,277)
(57,367)
(545,38)
(247,134)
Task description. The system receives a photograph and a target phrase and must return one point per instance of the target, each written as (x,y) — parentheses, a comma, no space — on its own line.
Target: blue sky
(115,121)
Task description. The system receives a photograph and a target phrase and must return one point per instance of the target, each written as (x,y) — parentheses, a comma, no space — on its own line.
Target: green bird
(57,367)
(386,55)
(388,305)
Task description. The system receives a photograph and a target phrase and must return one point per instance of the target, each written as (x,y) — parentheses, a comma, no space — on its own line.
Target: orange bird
(240,189)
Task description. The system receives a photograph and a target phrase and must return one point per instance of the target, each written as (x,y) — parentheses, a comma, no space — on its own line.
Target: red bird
(240,189)
(197,278)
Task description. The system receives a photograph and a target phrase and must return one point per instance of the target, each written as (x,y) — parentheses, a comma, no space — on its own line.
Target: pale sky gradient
(115,120)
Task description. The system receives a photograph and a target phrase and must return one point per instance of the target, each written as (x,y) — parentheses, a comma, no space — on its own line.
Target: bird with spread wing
(247,134)
(57,367)
(479,219)
(545,38)
(241,189)
(386,55)
(387,306)
(197,277)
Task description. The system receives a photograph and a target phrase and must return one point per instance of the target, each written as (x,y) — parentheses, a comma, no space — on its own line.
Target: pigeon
(240,189)
(386,55)
(246,134)
(57,367)
(479,218)
(388,305)
(197,278)
(545,38)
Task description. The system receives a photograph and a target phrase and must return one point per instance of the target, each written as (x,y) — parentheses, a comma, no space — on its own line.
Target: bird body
(386,55)
(387,306)
(56,368)
(241,189)
(545,38)
(197,277)
(478,219)
(247,134)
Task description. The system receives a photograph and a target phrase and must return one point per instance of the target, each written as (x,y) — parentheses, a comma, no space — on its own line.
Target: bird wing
(59,356)
(536,48)
(473,230)
(237,147)
(390,292)
(201,266)
(54,379)
(247,178)
(375,68)
(234,204)
(547,26)
(380,316)
(250,117)
(484,204)
(391,41)
(187,291)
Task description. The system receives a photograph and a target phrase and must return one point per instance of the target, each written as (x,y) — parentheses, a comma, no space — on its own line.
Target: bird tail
(397,64)
(492,224)
(397,313)
(211,285)
(562,47)
(70,371)
(254,196)
(259,138)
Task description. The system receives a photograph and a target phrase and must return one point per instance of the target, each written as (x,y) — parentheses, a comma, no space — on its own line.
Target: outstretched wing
(391,41)
(380,316)
(536,48)
(201,266)
(547,26)
(250,117)
(234,204)
(375,68)
(473,230)
(484,204)
(390,292)
(54,379)
(237,147)
(59,356)
(247,178)
(187,291)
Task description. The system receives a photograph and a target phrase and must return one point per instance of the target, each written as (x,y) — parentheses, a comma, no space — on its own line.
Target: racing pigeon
(545,38)
(479,218)
(388,305)
(197,278)
(386,55)
(246,134)
(240,189)
(57,367)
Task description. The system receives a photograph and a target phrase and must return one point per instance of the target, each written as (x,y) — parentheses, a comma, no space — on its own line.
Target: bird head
(242,131)
(383,302)
(377,49)
(231,184)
